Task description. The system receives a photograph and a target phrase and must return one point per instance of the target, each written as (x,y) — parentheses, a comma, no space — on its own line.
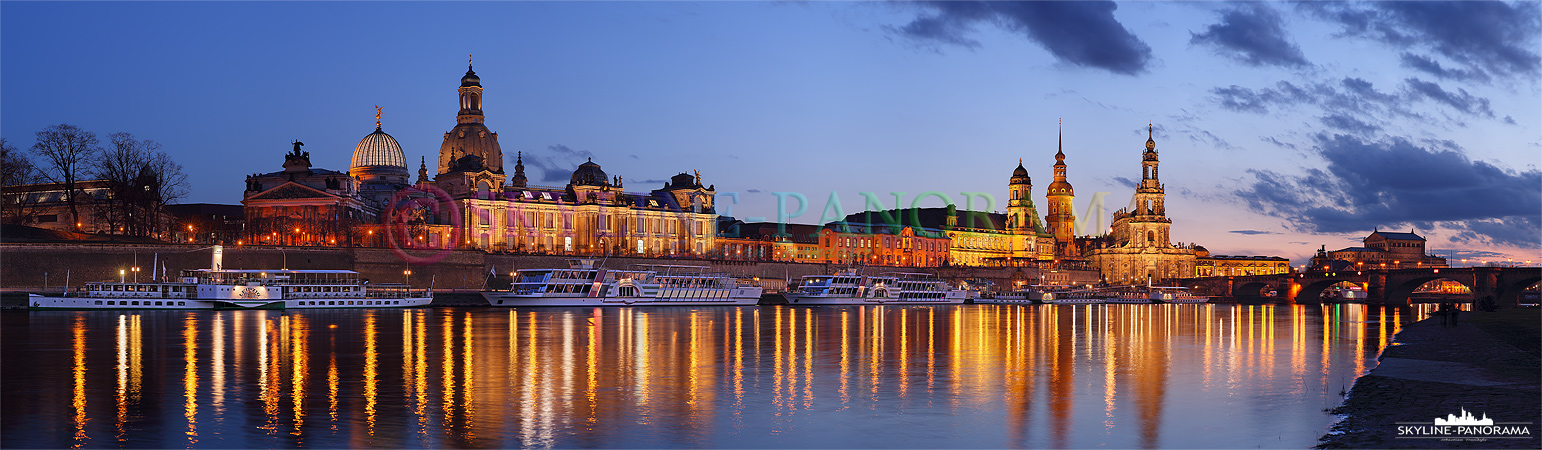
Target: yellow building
(590,215)
(1138,249)
(1207,265)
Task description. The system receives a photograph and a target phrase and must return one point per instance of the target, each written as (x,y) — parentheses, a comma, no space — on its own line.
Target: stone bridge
(1392,286)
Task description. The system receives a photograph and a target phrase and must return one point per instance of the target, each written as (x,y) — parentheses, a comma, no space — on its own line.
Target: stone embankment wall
(32,266)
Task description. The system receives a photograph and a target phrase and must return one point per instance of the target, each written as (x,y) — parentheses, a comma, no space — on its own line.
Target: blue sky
(1281,126)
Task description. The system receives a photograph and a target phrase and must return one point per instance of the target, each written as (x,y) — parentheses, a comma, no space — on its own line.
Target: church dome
(471,78)
(1020,175)
(589,174)
(379,149)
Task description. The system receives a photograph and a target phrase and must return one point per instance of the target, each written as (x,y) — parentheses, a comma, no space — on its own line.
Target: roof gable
(289,191)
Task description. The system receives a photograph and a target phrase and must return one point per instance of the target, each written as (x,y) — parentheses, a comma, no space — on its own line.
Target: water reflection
(882,376)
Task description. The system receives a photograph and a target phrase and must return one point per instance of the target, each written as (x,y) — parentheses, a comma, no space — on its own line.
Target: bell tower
(1061,218)
(1020,215)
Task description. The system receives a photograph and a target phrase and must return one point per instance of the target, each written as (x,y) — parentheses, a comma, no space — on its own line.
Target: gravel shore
(1486,365)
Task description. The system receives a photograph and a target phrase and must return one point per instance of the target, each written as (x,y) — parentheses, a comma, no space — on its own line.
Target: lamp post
(407,276)
(136,274)
(121,272)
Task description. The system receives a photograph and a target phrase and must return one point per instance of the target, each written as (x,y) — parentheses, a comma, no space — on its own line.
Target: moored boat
(1171,294)
(583,283)
(218,288)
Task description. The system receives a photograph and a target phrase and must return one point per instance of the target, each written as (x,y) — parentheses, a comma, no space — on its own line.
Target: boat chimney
(219,259)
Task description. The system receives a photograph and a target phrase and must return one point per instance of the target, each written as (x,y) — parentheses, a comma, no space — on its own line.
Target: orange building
(882,245)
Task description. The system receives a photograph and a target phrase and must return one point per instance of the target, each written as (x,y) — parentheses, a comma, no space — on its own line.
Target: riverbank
(1488,364)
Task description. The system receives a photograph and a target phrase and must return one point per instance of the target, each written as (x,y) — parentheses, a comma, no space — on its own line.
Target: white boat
(218,288)
(1029,295)
(844,288)
(1125,295)
(1076,297)
(1170,294)
(900,288)
(584,284)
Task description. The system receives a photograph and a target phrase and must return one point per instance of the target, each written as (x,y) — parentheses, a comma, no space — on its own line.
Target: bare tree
(15,170)
(66,151)
(142,180)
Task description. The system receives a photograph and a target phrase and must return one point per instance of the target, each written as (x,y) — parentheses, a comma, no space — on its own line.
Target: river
(963,376)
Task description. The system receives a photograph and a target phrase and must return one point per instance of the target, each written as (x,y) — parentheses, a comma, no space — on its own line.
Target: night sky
(1281,126)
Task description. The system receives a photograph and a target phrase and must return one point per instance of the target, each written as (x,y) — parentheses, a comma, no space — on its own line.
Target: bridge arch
(1311,292)
(1401,292)
(1508,292)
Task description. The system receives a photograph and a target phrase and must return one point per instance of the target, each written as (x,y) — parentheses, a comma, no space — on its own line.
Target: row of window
(352,303)
(136,303)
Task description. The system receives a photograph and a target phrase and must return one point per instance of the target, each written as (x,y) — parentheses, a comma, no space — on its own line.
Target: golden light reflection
(904,352)
(420,371)
(190,376)
(332,382)
(467,384)
(299,367)
(78,399)
(591,366)
(447,368)
(845,378)
(267,376)
(217,371)
(371,372)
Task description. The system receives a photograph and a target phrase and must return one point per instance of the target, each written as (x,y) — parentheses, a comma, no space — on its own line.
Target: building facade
(591,215)
(1381,250)
(1138,248)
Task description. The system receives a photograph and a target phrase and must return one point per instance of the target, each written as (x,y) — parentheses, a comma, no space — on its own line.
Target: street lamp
(136,274)
(407,275)
(120,275)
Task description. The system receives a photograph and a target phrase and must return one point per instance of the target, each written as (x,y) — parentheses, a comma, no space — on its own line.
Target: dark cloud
(1425,64)
(1347,123)
(1082,33)
(1253,34)
(753,191)
(1460,99)
(557,163)
(1395,183)
(1482,37)
(1252,232)
(1349,98)
(1126,182)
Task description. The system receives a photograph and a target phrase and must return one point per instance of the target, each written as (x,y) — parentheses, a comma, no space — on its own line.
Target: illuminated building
(1383,249)
(1207,265)
(883,245)
(590,215)
(1138,249)
(1061,218)
(301,205)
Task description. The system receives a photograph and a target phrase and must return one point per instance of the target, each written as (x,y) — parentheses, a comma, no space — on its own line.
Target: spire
(1060,141)
(519,180)
(422,170)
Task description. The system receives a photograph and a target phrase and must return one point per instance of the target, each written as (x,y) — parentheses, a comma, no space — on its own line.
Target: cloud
(1252,232)
(1395,182)
(1348,97)
(753,191)
(1082,33)
(1253,34)
(1460,100)
(1347,123)
(1126,182)
(1425,64)
(557,163)
(1481,37)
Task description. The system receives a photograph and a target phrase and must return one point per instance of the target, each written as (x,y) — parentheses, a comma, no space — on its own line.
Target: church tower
(1061,218)
(1020,215)
(470,160)
(1146,220)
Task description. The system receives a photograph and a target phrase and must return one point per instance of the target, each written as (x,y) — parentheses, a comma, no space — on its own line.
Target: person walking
(1455,310)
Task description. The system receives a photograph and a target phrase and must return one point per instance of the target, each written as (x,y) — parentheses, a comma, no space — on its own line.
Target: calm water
(1117,376)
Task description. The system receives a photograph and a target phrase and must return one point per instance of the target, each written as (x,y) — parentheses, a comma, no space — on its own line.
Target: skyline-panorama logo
(1464,427)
